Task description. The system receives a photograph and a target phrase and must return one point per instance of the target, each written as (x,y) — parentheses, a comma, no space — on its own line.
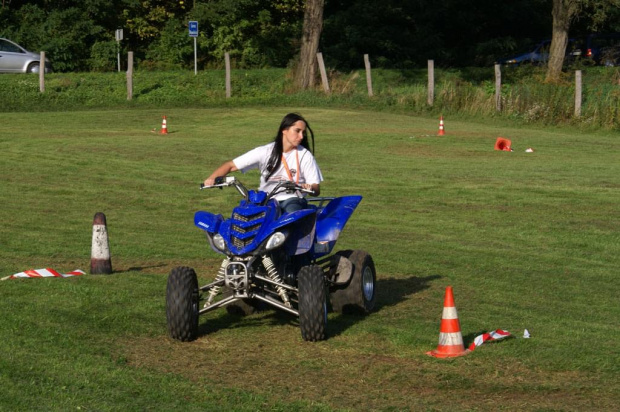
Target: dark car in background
(603,48)
(539,54)
(15,59)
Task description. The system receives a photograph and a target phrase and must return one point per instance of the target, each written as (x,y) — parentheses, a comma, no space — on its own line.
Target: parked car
(603,48)
(15,59)
(539,54)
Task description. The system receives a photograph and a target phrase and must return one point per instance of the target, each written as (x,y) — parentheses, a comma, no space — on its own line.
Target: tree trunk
(563,12)
(305,74)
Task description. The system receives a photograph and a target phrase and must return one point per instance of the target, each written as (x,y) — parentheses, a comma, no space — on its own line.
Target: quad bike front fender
(208,221)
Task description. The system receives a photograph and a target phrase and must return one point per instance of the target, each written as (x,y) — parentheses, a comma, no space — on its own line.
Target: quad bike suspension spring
(216,289)
(272,273)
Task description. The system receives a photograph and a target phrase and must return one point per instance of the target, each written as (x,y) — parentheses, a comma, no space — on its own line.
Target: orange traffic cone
(441,131)
(503,144)
(450,337)
(164,126)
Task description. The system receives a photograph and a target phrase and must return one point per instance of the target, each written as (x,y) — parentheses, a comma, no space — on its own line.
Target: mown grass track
(527,240)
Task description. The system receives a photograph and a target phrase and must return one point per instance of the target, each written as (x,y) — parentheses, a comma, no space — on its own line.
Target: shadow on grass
(389,293)
(265,318)
(394,290)
(138,268)
(147,90)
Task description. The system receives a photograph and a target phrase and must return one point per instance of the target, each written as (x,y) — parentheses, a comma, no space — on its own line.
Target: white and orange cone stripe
(450,337)
(164,126)
(44,273)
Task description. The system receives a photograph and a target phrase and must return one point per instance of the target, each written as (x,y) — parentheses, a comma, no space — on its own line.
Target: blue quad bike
(275,260)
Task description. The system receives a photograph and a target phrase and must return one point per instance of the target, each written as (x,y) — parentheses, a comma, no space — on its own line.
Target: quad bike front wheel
(182,304)
(358,295)
(312,303)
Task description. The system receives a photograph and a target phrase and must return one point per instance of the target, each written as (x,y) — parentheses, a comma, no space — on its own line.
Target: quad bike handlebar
(283,186)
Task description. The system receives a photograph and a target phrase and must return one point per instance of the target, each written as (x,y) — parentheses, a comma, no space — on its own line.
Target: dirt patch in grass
(265,354)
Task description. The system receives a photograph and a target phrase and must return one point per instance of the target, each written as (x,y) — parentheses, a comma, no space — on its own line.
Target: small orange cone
(450,337)
(503,144)
(164,126)
(441,130)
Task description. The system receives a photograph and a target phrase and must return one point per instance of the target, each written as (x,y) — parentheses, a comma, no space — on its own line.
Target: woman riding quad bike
(277,259)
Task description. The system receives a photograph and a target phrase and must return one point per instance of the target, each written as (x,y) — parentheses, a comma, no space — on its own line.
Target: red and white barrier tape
(44,273)
(495,335)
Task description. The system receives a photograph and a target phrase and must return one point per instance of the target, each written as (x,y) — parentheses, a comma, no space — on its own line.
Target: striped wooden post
(100,262)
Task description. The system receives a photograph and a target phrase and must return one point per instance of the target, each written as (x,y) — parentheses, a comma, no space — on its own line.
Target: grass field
(527,240)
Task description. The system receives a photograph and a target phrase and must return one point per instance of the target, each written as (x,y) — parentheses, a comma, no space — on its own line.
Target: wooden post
(498,87)
(578,94)
(42,72)
(431,83)
(129,75)
(319,57)
(227,61)
(368,75)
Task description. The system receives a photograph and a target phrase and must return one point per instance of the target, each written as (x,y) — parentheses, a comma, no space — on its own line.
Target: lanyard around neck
(288,171)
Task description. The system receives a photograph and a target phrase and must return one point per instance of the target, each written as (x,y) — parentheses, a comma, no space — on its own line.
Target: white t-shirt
(258,158)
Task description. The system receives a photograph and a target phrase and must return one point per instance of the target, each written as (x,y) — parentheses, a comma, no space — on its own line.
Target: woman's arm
(223,170)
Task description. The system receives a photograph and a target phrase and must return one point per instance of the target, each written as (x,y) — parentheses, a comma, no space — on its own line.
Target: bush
(466,93)
(103,56)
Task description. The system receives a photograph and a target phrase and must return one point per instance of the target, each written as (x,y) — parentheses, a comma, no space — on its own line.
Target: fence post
(498,87)
(368,75)
(227,62)
(42,73)
(578,94)
(129,75)
(319,57)
(431,83)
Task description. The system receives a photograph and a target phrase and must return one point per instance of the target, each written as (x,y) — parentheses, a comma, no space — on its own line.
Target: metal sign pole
(193,32)
(119,37)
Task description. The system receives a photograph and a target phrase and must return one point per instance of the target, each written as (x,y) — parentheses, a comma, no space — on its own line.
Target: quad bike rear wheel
(312,303)
(182,298)
(358,295)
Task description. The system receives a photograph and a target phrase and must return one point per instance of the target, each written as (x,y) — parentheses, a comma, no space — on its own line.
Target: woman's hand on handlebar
(209,181)
(313,188)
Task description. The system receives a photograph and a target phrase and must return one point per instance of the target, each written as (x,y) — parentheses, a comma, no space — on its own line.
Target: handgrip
(202,186)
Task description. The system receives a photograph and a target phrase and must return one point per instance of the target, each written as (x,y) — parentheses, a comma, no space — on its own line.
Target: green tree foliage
(254,32)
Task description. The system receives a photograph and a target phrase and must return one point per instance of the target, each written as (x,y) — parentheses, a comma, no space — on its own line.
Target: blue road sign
(193,29)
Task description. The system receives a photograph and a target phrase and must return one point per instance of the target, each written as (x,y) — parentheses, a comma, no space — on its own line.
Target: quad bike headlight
(219,242)
(276,240)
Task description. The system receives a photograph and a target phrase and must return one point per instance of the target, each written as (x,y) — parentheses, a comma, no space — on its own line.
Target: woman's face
(293,136)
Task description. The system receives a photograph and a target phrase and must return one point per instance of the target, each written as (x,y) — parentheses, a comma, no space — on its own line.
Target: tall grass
(469,93)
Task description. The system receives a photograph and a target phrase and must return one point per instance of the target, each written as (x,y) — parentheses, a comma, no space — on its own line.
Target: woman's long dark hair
(276,154)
